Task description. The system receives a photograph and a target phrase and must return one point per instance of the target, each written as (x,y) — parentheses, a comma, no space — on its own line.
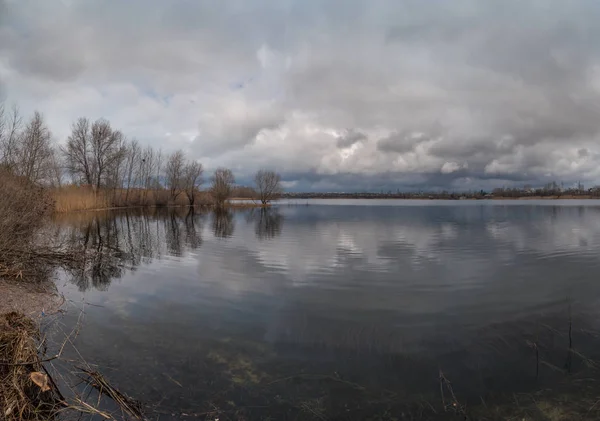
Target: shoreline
(199,207)
(29,298)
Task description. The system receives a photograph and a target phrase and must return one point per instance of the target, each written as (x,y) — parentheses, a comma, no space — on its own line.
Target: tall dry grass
(75,198)
(81,198)
(25,389)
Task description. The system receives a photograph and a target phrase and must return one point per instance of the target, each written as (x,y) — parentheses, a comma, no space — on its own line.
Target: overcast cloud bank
(335,95)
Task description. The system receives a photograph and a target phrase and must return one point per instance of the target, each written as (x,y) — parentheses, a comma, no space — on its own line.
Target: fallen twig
(129,405)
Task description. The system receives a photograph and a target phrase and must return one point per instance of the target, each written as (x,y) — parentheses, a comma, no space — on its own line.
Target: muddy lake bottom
(343,309)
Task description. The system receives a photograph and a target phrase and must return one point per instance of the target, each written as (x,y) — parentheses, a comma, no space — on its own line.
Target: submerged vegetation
(241,379)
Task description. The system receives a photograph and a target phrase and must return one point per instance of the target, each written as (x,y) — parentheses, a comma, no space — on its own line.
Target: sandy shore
(31,300)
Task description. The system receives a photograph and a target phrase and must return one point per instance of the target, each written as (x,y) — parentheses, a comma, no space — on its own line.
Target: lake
(338,309)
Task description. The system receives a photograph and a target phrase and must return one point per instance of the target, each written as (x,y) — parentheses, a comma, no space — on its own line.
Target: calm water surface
(339,309)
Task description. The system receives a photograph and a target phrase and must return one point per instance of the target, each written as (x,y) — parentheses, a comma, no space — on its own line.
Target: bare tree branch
(13,124)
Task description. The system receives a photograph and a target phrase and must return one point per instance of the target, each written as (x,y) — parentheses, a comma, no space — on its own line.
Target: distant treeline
(553,189)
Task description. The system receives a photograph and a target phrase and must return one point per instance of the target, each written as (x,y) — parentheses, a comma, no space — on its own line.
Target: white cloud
(450,167)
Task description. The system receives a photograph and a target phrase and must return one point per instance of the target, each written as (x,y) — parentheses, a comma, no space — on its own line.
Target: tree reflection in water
(268,222)
(193,229)
(223,223)
(118,241)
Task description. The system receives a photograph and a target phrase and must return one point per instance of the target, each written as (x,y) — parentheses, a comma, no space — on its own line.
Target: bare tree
(3,124)
(94,153)
(192,179)
(132,159)
(115,171)
(156,182)
(174,174)
(146,170)
(56,169)
(10,133)
(78,152)
(107,150)
(222,186)
(34,151)
(159,162)
(268,185)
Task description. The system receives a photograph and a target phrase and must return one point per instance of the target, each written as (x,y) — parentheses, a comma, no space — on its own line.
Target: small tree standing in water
(268,185)
(222,186)
(192,179)
(174,174)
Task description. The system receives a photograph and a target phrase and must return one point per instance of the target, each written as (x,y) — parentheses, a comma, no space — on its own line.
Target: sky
(338,95)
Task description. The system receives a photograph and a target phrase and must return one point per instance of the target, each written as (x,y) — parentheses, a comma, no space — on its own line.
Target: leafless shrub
(24,209)
(222,186)
(268,185)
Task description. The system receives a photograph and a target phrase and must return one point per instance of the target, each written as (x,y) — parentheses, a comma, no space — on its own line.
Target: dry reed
(73,198)
(83,198)
(127,404)
(26,391)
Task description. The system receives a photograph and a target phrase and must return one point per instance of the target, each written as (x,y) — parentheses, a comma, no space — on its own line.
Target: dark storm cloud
(401,142)
(471,148)
(243,133)
(3,11)
(349,138)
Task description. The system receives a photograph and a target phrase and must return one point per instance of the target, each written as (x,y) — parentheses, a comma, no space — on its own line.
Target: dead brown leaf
(41,380)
